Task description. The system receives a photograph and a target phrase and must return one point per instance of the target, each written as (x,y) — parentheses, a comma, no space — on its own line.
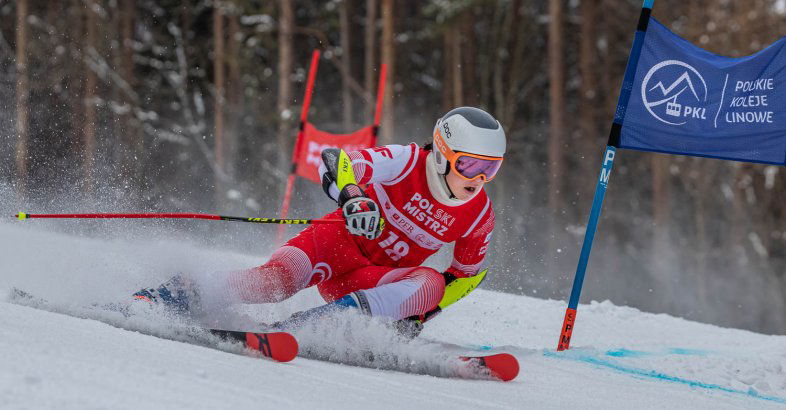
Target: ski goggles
(468,166)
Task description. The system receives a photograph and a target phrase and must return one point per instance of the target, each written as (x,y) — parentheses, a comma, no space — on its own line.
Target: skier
(417,200)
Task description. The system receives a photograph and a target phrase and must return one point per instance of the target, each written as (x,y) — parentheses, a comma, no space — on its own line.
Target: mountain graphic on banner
(667,90)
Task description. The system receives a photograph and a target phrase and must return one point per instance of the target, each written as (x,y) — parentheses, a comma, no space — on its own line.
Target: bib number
(398,250)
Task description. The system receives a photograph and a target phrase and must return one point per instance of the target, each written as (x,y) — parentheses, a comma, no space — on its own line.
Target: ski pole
(23,216)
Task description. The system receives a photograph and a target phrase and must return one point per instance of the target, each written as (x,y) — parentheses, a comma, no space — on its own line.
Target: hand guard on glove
(360,212)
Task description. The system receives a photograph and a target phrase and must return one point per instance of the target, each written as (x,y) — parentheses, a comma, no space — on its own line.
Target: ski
(279,346)
(502,366)
(282,346)
(276,345)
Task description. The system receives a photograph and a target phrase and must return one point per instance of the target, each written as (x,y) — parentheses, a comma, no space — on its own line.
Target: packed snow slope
(67,356)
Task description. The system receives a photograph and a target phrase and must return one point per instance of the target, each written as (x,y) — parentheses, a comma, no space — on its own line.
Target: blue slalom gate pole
(605,172)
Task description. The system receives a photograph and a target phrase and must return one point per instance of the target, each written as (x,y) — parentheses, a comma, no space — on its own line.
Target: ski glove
(360,212)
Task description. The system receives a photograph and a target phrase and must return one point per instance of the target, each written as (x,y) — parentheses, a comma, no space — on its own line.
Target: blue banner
(688,101)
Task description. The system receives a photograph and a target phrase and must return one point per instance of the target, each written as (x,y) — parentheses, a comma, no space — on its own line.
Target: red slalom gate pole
(24,216)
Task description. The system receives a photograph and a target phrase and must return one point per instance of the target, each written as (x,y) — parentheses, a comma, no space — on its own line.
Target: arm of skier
(470,250)
(360,212)
(378,164)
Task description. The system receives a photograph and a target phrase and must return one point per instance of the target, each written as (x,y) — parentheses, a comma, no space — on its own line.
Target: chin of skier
(416,200)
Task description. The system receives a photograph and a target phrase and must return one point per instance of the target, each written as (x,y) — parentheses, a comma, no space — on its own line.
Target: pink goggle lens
(471,167)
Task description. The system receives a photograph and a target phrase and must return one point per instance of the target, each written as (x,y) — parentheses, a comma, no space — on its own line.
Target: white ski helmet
(470,141)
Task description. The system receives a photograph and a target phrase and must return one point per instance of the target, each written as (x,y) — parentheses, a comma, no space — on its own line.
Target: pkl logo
(683,99)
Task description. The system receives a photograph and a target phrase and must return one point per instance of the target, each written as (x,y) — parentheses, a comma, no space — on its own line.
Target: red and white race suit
(386,271)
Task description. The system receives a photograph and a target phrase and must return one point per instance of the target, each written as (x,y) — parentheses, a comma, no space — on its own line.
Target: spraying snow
(620,355)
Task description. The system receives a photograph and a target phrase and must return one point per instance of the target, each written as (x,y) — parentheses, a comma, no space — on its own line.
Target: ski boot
(178,294)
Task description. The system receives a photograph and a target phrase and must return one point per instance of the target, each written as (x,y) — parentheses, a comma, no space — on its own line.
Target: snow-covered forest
(193,105)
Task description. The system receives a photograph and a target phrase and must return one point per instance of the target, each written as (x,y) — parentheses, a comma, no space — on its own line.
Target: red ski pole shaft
(23,216)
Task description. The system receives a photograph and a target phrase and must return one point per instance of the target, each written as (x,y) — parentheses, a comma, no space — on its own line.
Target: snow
(620,357)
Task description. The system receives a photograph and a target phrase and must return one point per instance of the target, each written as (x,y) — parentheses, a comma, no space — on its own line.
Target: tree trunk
(660,203)
(705,171)
(218,106)
(611,89)
(346,97)
(557,120)
(740,221)
(557,104)
(112,33)
(22,97)
(389,58)
(447,70)
(286,24)
(186,9)
(370,71)
(89,126)
(471,95)
(508,112)
(588,58)
(458,76)
(489,55)
(500,66)
(702,194)
(73,88)
(234,95)
(132,152)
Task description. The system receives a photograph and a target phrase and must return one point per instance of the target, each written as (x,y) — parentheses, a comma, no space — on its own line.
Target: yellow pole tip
(22,216)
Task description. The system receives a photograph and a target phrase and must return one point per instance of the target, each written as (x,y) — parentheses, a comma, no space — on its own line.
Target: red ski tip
(504,366)
(279,346)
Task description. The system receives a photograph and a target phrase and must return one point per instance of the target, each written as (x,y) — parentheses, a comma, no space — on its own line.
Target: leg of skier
(318,253)
(379,291)
(288,271)
(321,254)
(395,293)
